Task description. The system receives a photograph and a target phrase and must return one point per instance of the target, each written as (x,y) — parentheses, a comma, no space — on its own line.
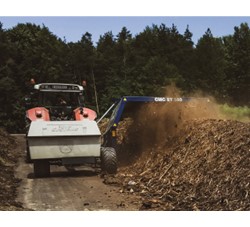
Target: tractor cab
(59,99)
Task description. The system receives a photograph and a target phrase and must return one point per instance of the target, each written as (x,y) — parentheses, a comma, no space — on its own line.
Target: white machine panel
(62,139)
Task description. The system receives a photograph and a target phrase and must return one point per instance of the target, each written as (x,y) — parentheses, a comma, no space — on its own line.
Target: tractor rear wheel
(41,168)
(109,160)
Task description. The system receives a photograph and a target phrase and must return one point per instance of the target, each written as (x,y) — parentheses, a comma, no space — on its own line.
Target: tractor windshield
(60,99)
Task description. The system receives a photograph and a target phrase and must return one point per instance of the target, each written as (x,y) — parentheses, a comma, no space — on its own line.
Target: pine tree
(238,68)
(210,62)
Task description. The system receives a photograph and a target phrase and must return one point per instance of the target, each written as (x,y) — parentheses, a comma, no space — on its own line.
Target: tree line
(122,64)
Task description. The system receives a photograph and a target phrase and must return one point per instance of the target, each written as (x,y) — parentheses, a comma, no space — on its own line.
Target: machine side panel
(64,147)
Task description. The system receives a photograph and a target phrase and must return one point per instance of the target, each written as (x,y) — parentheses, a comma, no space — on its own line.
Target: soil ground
(81,189)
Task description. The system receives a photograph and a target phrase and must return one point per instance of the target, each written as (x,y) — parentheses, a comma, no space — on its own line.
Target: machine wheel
(41,168)
(108,160)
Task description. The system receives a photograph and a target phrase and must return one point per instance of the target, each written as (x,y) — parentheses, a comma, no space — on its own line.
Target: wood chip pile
(205,166)
(8,182)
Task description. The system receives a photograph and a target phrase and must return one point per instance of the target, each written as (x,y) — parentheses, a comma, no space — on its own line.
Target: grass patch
(241,113)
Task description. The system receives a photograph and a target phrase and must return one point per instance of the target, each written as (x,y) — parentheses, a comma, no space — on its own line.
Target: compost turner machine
(62,131)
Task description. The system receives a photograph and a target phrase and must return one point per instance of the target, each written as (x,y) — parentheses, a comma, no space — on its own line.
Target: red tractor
(61,130)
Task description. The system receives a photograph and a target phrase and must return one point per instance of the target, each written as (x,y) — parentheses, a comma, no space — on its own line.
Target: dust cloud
(156,122)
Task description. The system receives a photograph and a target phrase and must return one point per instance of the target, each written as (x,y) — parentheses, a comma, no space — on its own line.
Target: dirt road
(65,190)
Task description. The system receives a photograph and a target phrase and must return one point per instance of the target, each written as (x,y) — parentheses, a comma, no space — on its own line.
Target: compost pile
(199,164)
(8,182)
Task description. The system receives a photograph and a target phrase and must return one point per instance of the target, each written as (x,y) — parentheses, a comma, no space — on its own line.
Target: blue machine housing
(110,133)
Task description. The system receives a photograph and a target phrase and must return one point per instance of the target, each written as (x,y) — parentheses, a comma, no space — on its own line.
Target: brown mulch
(203,166)
(8,182)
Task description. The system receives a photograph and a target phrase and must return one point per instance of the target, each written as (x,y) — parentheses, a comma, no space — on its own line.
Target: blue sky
(73,27)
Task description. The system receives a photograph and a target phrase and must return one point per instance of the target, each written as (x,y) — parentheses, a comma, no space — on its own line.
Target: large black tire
(41,168)
(108,160)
